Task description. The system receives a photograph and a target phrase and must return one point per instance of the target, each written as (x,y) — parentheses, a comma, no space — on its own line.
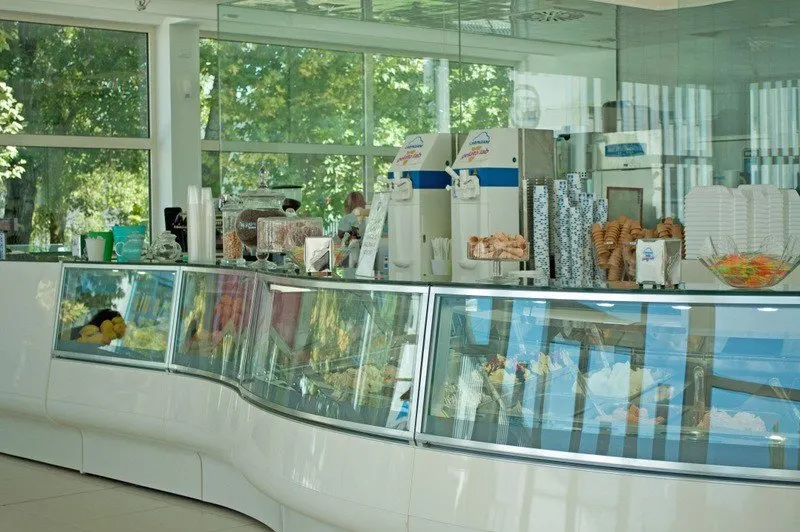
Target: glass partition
(709,388)
(213,322)
(339,355)
(116,314)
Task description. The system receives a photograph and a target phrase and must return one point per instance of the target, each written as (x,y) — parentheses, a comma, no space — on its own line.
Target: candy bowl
(761,267)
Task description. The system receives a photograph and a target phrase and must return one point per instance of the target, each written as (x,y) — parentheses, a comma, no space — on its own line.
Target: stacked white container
(759,208)
(752,216)
(791,206)
(741,219)
(705,215)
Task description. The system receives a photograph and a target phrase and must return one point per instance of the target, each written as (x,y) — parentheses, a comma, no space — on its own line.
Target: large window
(74,130)
(331,120)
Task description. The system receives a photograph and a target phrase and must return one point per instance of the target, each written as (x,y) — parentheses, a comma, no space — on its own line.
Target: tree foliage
(11,123)
(282,94)
(78,81)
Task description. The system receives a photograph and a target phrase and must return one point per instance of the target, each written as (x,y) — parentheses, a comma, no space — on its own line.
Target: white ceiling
(202,11)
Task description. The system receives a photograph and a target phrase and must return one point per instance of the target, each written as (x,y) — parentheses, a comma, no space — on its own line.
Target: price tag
(372,235)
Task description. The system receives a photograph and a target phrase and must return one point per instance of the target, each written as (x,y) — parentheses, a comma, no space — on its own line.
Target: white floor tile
(41,498)
(82,507)
(39,485)
(12,520)
(168,519)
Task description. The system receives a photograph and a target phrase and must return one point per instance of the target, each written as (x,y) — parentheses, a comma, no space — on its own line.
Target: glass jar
(231,207)
(166,248)
(259,203)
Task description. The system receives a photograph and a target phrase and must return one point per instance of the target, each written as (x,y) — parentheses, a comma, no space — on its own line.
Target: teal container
(122,232)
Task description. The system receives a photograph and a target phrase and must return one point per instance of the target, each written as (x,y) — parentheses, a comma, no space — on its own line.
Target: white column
(176,128)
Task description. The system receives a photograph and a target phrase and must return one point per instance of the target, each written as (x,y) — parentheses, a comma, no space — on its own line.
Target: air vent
(549,15)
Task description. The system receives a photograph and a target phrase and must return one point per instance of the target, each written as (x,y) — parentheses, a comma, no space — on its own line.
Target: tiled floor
(39,498)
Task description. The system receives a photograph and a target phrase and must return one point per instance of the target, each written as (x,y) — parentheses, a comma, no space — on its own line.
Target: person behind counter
(349,224)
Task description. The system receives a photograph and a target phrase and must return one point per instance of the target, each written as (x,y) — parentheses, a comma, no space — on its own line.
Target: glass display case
(116,314)
(213,323)
(692,382)
(339,353)
(680,383)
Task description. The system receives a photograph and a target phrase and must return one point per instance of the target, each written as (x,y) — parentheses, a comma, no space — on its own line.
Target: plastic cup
(440,267)
(95,248)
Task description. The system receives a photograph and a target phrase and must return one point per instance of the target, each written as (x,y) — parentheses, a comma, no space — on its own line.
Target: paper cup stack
(541,230)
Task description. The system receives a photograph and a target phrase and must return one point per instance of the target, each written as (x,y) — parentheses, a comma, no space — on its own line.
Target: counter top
(699,281)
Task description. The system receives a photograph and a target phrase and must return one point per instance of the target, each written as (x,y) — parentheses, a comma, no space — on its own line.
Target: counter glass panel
(340,356)
(117,315)
(685,386)
(213,322)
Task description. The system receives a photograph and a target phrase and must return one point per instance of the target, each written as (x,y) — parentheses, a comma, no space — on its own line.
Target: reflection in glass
(340,354)
(702,384)
(119,314)
(213,322)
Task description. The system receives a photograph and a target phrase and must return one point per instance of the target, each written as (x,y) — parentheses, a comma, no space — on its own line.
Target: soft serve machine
(492,183)
(419,205)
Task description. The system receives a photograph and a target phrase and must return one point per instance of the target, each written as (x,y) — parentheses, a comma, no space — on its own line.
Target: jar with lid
(165,248)
(261,202)
(231,207)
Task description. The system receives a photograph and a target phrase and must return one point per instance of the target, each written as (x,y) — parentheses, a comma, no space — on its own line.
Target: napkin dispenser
(658,261)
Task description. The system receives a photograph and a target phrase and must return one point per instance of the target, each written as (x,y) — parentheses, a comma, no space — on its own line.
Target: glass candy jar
(166,248)
(231,207)
(261,202)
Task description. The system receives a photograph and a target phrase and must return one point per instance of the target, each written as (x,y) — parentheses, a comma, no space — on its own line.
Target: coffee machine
(491,190)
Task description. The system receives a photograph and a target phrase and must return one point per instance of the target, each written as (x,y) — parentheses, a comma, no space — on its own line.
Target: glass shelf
(120,314)
(699,388)
(699,383)
(213,322)
(339,356)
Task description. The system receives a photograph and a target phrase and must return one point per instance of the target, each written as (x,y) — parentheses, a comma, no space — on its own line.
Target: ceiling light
(605,305)
(681,307)
(767,309)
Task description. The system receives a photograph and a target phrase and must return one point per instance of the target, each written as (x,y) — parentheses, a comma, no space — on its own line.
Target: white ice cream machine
(492,179)
(419,205)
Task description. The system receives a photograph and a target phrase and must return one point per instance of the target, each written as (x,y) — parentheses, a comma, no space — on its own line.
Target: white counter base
(198,438)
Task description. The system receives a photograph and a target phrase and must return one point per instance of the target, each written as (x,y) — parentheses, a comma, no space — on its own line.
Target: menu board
(372,235)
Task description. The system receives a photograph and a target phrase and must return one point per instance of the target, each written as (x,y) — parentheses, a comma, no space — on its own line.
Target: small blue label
(648,255)
(628,149)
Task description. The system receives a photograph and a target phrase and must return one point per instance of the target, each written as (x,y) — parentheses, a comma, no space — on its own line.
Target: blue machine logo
(648,255)
(416,142)
(481,138)
(628,149)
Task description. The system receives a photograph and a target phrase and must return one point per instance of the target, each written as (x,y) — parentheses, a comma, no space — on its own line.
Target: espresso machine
(491,190)
(419,205)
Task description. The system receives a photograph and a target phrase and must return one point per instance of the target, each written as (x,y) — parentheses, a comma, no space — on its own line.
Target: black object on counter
(175,222)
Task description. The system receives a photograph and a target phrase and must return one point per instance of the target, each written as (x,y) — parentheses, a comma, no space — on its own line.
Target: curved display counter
(326,405)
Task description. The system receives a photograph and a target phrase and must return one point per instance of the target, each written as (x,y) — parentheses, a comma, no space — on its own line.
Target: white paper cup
(440,267)
(95,247)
